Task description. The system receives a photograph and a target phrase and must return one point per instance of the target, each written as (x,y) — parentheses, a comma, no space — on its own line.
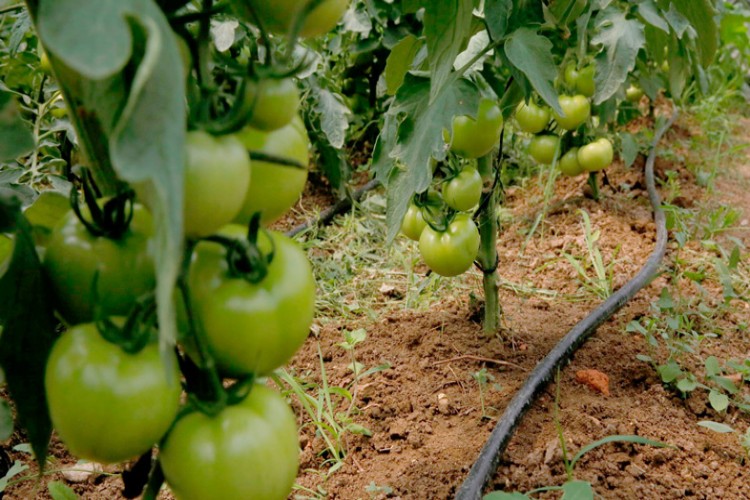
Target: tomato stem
(594,185)
(487,257)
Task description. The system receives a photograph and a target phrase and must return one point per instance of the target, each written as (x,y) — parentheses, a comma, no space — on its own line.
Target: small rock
(594,379)
(82,472)
(443,404)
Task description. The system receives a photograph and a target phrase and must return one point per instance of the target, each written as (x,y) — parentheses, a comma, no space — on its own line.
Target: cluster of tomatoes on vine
(245,298)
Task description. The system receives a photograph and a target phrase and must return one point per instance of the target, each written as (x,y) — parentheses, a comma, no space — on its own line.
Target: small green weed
(595,275)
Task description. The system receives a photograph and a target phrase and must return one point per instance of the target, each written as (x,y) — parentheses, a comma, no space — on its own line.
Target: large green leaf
(28,326)
(15,135)
(143,113)
(399,62)
(447,24)
(531,53)
(413,135)
(497,16)
(702,17)
(622,38)
(649,12)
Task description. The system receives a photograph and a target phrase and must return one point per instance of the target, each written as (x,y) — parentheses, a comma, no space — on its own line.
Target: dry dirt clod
(594,379)
(82,472)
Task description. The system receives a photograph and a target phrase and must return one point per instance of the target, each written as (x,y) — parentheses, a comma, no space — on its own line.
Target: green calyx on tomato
(463,191)
(473,138)
(86,271)
(253,327)
(542,148)
(568,163)
(453,251)
(532,118)
(413,222)
(217,179)
(279,16)
(576,110)
(107,405)
(275,188)
(275,102)
(596,155)
(248,450)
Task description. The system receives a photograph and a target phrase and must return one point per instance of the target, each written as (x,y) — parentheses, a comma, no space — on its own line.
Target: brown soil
(425,411)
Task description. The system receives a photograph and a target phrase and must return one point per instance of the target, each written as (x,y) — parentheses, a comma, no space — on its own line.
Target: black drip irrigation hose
(486,465)
(326,216)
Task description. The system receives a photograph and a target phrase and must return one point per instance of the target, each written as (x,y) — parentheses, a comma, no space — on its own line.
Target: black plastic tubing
(486,465)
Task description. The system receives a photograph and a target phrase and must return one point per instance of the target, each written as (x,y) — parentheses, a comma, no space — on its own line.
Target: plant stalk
(487,257)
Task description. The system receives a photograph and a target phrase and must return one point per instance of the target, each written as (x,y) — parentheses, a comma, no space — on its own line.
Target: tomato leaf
(622,38)
(649,12)
(497,16)
(531,53)
(15,136)
(143,115)
(447,23)
(28,327)
(700,14)
(399,62)
(413,136)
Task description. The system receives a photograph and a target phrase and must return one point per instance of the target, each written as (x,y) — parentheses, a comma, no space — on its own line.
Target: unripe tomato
(413,223)
(569,163)
(571,75)
(274,103)
(463,192)
(634,93)
(532,118)
(217,178)
(576,110)
(123,267)
(278,16)
(475,138)
(597,155)
(453,251)
(250,450)
(275,188)
(107,405)
(542,148)
(253,327)
(585,83)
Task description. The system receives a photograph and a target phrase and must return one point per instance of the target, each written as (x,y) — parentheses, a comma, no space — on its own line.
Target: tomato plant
(217,178)
(413,223)
(275,187)
(279,16)
(463,191)
(450,252)
(532,118)
(248,450)
(253,326)
(576,110)
(275,102)
(542,148)
(473,138)
(86,271)
(106,404)
(596,155)
(634,93)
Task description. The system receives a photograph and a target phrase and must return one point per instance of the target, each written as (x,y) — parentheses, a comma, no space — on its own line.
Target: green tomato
(253,327)
(596,156)
(278,16)
(542,148)
(634,93)
(473,138)
(453,251)
(217,178)
(274,103)
(124,267)
(413,223)
(569,163)
(571,75)
(585,84)
(250,450)
(107,405)
(275,188)
(576,110)
(464,191)
(532,118)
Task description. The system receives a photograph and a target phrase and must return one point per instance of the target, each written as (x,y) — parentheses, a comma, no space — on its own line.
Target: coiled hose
(486,464)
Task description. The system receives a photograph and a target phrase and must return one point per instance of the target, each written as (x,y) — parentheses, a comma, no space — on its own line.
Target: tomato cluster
(245,298)
(562,137)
